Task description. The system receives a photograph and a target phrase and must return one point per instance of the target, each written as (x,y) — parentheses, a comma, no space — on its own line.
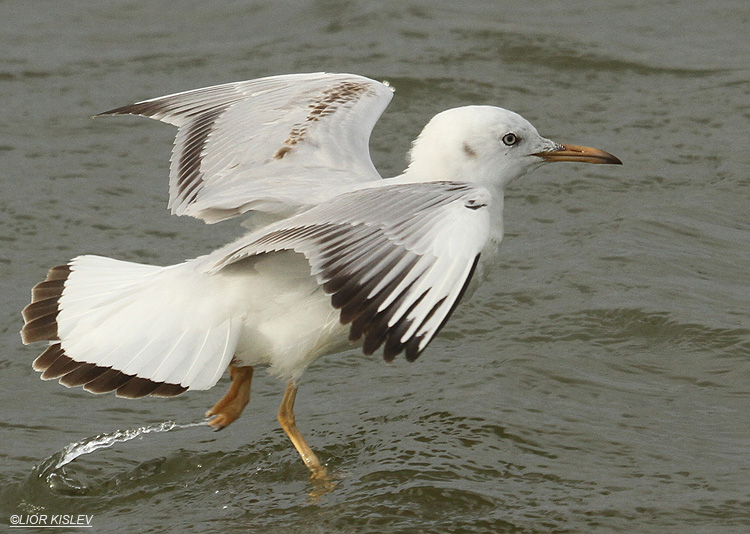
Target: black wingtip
(146,109)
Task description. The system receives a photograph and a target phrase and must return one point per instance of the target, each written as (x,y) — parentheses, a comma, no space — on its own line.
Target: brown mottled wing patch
(234,142)
(330,101)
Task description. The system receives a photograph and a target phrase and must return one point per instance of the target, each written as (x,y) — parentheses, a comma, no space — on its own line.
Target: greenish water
(598,382)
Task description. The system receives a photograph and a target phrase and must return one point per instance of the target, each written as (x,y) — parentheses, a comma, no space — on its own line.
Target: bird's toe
(218,421)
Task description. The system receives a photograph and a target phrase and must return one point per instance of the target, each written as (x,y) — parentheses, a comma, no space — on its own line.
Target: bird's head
(488,145)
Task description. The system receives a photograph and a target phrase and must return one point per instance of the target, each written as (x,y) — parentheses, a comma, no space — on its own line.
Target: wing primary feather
(393,343)
(289,234)
(453,306)
(355,290)
(416,344)
(412,344)
(361,317)
(371,291)
(334,262)
(347,272)
(396,281)
(316,124)
(190,155)
(378,328)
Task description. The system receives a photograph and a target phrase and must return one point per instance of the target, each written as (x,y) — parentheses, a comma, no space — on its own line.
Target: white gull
(335,255)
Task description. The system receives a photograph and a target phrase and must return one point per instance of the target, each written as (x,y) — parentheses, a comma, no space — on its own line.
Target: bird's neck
(497,227)
(439,168)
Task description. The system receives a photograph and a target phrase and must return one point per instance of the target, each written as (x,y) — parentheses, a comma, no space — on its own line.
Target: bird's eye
(510,139)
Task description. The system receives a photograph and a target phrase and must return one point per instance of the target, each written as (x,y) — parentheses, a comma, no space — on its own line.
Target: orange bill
(578,153)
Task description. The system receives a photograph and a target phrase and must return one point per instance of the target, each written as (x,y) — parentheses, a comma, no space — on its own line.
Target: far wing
(395,259)
(271,144)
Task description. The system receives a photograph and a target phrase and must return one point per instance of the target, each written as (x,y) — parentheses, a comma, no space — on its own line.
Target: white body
(389,258)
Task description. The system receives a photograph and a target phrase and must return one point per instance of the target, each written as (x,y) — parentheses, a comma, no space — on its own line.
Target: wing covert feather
(272,144)
(395,260)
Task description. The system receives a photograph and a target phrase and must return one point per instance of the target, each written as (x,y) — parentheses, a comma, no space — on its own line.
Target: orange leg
(231,405)
(286,419)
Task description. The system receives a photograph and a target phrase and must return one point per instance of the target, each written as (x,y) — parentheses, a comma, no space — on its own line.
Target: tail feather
(61,366)
(131,328)
(47,358)
(40,308)
(40,316)
(53,363)
(49,289)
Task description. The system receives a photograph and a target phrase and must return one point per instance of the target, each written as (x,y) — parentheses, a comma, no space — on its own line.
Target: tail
(131,328)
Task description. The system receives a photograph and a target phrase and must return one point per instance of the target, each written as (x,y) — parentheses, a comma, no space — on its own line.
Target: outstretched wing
(395,259)
(272,144)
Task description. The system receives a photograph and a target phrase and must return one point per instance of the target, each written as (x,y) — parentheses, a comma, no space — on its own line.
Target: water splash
(51,469)
(102,441)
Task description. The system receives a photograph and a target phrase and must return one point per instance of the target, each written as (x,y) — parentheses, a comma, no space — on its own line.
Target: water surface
(598,382)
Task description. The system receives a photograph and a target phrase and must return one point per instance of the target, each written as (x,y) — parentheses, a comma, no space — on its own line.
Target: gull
(335,254)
